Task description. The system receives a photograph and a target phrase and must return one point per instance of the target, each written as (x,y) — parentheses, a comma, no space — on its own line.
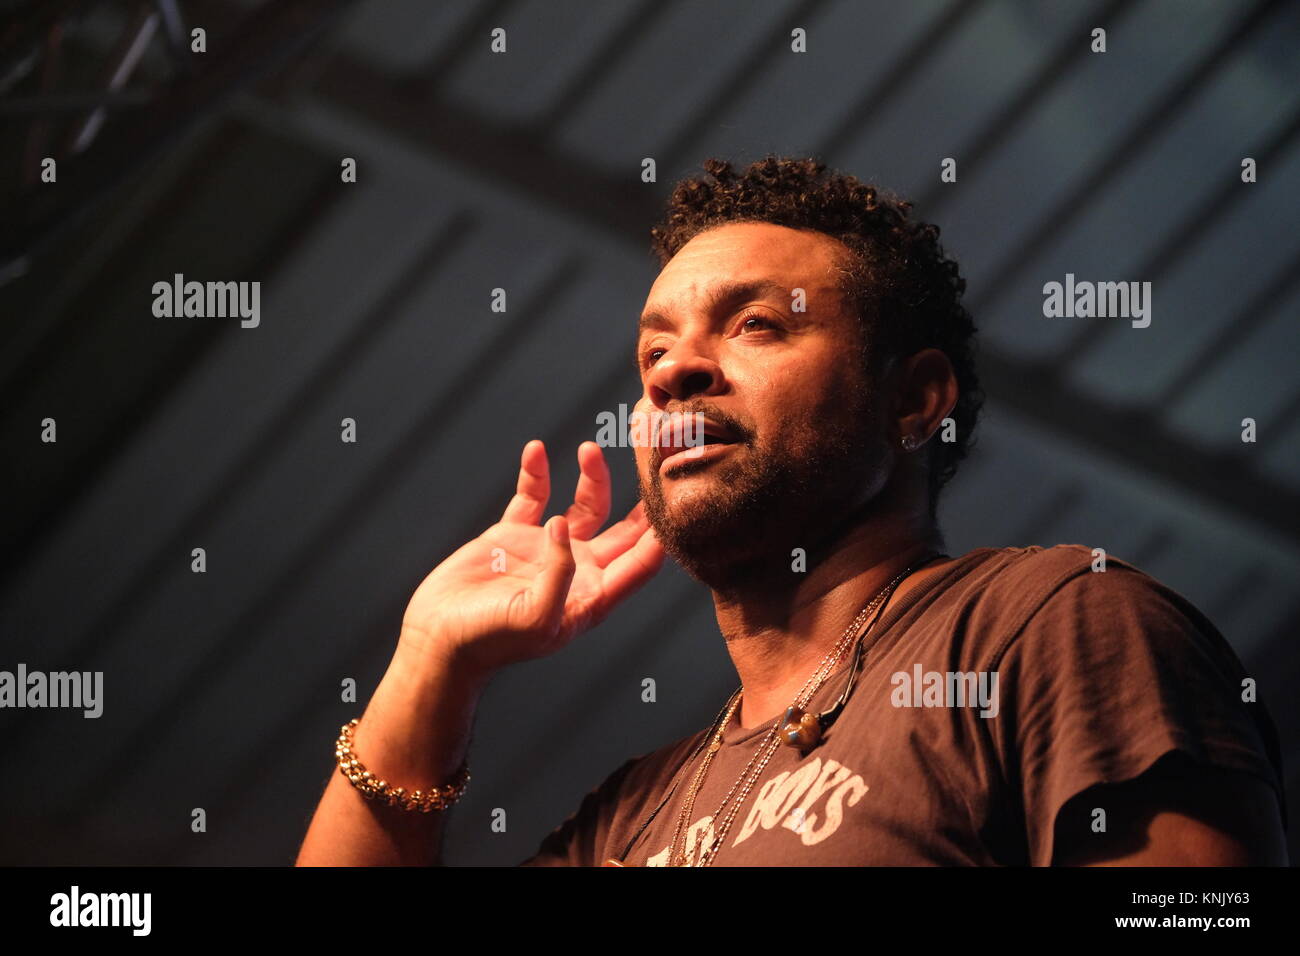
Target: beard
(740,525)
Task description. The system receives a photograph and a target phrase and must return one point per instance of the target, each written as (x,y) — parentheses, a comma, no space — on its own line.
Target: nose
(682,373)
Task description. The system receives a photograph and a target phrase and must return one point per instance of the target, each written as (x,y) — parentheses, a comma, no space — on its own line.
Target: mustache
(743,433)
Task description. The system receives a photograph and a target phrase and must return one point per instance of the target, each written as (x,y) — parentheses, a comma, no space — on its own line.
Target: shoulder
(603,817)
(1006,574)
(630,783)
(646,771)
(1105,670)
(1077,591)
(1016,576)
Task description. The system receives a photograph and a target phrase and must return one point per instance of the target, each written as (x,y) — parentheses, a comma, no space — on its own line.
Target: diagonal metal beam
(726,93)
(607,55)
(1056,66)
(102,634)
(222,656)
(1195,227)
(515,158)
(128,53)
(67,488)
(263,41)
(173,24)
(1253,314)
(1136,439)
(1141,132)
(460,46)
(578,190)
(907,65)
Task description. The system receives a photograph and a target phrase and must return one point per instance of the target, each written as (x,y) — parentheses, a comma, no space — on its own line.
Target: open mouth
(709,442)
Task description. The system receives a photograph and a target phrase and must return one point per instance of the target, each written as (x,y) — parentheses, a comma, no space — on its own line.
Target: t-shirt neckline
(734,735)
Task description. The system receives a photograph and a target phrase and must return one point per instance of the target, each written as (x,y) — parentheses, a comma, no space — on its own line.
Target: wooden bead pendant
(800,729)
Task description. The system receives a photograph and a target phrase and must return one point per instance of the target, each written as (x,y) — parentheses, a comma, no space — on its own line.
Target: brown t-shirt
(991,695)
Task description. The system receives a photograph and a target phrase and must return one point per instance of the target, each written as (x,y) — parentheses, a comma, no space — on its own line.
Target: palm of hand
(523,590)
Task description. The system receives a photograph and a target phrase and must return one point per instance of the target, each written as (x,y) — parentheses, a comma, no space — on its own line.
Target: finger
(551,586)
(590,508)
(620,536)
(533,489)
(630,570)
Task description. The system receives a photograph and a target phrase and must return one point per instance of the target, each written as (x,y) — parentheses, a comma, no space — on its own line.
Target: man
(898,705)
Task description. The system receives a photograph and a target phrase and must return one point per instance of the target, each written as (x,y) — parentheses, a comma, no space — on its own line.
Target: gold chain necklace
(795,713)
(689,807)
(770,743)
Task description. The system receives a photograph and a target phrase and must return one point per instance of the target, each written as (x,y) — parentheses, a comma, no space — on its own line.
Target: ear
(925,392)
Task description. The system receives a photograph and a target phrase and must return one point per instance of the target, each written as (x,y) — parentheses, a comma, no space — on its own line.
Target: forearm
(414,734)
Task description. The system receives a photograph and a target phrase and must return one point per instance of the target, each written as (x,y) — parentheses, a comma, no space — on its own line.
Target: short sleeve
(580,839)
(1110,672)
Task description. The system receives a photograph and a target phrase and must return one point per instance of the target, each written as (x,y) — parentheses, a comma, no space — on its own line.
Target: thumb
(551,586)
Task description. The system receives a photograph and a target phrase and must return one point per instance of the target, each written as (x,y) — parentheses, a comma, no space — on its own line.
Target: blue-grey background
(521,171)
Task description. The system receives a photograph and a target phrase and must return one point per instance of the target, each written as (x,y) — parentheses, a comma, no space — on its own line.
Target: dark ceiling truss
(175,34)
(1068,53)
(122,62)
(100,637)
(261,43)
(97,456)
(1134,438)
(461,44)
(911,62)
(209,668)
(1141,133)
(588,78)
(1196,226)
(673,155)
(412,111)
(1258,309)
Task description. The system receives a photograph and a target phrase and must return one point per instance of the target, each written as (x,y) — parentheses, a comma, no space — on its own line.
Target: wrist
(424,657)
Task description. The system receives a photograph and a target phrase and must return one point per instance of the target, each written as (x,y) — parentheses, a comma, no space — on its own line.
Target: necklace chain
(688,807)
(770,743)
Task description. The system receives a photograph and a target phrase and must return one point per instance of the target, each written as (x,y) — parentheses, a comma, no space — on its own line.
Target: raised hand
(521,589)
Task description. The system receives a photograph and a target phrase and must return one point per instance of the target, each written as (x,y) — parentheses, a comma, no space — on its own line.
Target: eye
(755,322)
(653,355)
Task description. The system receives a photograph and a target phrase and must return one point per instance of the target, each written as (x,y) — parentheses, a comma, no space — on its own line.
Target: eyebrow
(719,297)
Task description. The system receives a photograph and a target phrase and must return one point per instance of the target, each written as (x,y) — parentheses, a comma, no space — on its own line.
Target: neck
(778,628)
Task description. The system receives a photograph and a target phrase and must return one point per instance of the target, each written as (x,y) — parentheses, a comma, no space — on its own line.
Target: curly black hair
(897,279)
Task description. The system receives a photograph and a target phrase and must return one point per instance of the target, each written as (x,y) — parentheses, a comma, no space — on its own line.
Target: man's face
(796,439)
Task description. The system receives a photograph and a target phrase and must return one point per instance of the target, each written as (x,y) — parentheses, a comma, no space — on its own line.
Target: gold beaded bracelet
(436,798)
